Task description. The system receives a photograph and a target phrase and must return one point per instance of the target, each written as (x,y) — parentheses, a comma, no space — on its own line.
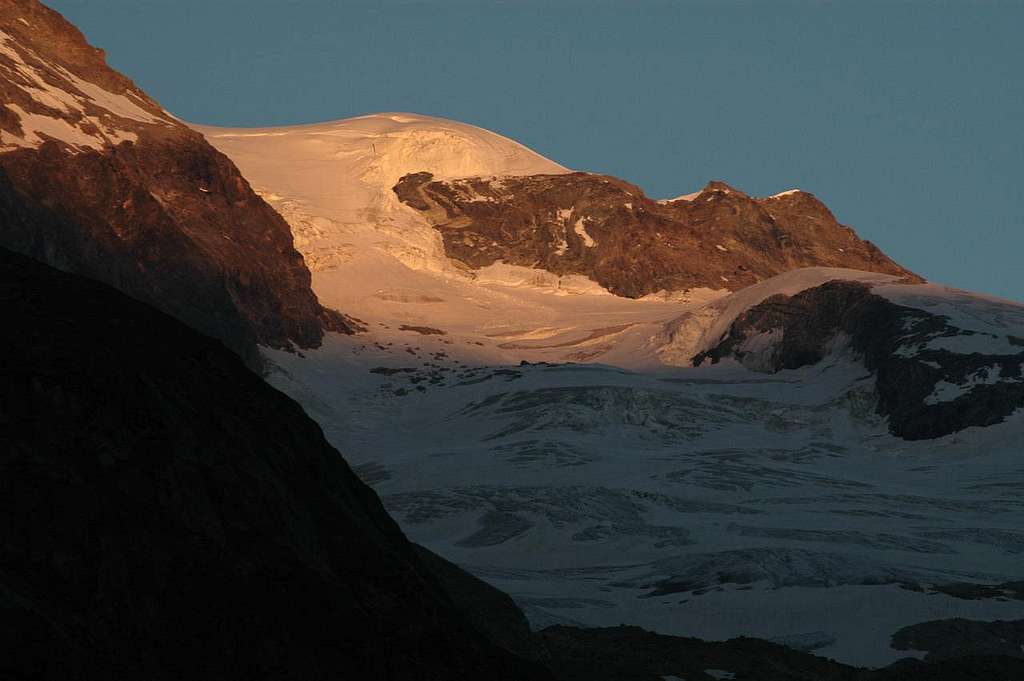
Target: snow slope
(708,502)
(333,180)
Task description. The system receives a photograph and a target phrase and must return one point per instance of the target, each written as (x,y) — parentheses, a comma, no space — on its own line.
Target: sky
(906,118)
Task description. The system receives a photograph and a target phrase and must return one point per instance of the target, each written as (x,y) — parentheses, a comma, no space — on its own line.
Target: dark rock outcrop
(788,332)
(96,179)
(608,230)
(952,638)
(165,514)
(631,654)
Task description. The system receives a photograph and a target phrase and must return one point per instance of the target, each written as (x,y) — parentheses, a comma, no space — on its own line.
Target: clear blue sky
(906,118)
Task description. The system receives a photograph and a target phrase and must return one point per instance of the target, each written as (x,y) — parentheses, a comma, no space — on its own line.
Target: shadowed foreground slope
(165,514)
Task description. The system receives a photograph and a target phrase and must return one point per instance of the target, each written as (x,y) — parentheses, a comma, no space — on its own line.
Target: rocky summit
(610,231)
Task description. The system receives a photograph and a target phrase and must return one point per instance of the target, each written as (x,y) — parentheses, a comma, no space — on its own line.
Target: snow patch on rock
(947,392)
(95,111)
(685,197)
(581,230)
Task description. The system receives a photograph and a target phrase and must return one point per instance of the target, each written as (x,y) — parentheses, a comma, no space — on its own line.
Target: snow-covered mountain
(348,169)
(715,415)
(829,452)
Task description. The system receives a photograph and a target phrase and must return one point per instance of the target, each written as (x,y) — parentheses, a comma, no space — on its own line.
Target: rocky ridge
(609,230)
(96,178)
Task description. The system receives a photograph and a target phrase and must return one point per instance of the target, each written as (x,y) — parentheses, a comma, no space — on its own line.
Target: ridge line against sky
(903,117)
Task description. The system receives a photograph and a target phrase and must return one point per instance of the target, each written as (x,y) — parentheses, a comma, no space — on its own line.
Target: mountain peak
(720,187)
(788,192)
(380,148)
(56,87)
(97,179)
(609,231)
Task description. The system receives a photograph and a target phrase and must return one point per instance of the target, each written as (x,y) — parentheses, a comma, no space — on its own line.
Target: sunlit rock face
(96,178)
(609,231)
